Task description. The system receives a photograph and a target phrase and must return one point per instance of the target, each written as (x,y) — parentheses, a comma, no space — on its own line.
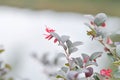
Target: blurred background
(23,23)
(110,7)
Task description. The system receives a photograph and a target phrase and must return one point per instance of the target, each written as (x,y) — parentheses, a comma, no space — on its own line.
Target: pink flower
(50,36)
(98,20)
(49,30)
(109,41)
(106,72)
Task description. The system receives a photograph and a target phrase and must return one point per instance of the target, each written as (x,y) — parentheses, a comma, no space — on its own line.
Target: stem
(67,55)
(68,59)
(110,50)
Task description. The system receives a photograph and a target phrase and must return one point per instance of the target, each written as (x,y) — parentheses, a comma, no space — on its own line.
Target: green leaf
(100,18)
(65,69)
(95,55)
(99,76)
(111,57)
(96,77)
(61,74)
(85,57)
(58,76)
(115,37)
(10,78)
(91,63)
(117,63)
(8,66)
(118,51)
(78,61)
(66,64)
(1,50)
(92,33)
(117,74)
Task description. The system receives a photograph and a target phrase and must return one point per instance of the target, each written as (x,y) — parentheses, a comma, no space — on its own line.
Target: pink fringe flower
(50,36)
(106,73)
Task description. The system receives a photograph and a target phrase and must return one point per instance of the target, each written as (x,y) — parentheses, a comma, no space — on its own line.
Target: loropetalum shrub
(81,67)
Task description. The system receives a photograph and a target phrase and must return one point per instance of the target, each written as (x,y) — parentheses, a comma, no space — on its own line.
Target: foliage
(83,64)
(111,42)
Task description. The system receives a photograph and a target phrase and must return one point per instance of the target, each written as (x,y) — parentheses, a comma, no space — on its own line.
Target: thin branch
(110,50)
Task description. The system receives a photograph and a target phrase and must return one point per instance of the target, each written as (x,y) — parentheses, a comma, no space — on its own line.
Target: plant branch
(68,59)
(109,50)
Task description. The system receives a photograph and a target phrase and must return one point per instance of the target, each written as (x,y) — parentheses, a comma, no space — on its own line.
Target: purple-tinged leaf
(95,55)
(89,74)
(72,75)
(100,19)
(85,58)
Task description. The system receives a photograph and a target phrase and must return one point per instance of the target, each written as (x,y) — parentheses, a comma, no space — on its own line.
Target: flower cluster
(96,24)
(106,73)
(50,36)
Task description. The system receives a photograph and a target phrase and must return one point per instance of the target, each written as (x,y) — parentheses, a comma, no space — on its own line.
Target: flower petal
(49,30)
(55,40)
(109,41)
(103,25)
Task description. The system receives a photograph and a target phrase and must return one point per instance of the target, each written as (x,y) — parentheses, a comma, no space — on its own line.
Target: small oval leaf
(78,61)
(64,38)
(77,43)
(117,74)
(85,57)
(95,55)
